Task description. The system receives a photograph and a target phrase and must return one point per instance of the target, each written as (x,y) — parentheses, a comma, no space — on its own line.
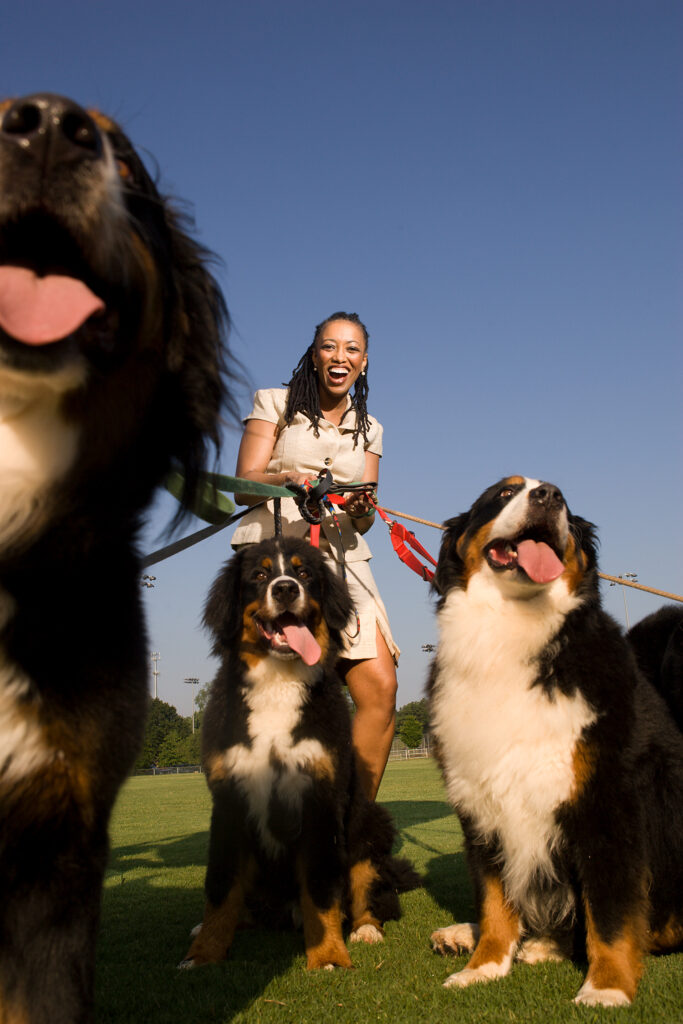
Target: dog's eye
(506,492)
(303,574)
(260,574)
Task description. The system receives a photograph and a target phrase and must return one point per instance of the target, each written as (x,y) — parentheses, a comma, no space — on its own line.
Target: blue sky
(493,185)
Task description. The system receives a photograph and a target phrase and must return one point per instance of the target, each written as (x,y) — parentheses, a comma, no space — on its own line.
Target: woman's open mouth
(337,374)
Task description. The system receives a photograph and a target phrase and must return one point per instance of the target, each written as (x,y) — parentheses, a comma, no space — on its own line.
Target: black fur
(658,642)
(317,825)
(146,394)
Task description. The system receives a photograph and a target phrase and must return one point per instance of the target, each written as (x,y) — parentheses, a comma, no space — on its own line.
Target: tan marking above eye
(267,563)
(515,480)
(296,561)
(102,121)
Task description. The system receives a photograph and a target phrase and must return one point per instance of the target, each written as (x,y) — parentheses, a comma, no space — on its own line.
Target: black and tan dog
(562,762)
(290,823)
(111,334)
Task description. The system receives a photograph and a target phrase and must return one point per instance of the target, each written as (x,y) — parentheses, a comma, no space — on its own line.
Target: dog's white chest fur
(507,747)
(273,765)
(23,749)
(37,446)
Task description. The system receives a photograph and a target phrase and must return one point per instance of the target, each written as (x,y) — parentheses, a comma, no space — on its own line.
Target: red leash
(401,537)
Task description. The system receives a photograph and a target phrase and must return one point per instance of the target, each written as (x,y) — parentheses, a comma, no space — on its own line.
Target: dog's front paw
(367,933)
(455,940)
(461,979)
(187,964)
(544,950)
(590,996)
(328,959)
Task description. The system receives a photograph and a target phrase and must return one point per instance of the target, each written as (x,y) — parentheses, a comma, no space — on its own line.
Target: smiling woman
(292,434)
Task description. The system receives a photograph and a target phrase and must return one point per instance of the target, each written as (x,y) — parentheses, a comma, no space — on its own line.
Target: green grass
(153,896)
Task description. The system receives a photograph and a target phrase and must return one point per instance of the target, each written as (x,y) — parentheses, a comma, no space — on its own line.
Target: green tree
(411,731)
(418,709)
(161,720)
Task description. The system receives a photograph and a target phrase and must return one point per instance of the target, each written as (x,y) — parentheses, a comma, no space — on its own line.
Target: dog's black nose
(546,495)
(285,592)
(52,129)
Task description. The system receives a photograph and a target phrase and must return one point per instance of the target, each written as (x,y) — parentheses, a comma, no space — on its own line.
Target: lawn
(153,896)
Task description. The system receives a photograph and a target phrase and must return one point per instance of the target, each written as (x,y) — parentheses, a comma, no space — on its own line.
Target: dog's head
(109,316)
(520,534)
(278,599)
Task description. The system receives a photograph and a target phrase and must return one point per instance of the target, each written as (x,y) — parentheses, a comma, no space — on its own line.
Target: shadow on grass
(143,936)
(407,813)
(447,881)
(170,852)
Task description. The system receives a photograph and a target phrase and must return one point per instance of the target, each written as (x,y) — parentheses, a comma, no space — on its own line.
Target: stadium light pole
(626,576)
(193,681)
(155,656)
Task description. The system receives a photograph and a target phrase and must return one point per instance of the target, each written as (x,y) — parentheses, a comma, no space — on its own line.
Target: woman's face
(339,356)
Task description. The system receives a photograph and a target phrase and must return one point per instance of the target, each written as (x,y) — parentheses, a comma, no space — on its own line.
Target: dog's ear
(198,360)
(223,609)
(450,564)
(586,537)
(337,604)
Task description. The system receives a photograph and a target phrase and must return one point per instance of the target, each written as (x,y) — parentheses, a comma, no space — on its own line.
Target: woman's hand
(295,480)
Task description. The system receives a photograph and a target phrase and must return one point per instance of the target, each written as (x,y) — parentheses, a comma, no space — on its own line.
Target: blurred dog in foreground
(111,370)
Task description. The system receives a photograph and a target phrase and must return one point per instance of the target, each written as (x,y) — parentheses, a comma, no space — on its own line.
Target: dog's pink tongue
(301,640)
(38,310)
(539,561)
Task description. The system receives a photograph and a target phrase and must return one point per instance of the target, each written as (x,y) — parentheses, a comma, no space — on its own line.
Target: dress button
(328,462)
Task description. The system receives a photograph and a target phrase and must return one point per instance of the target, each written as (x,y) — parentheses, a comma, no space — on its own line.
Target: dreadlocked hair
(303,393)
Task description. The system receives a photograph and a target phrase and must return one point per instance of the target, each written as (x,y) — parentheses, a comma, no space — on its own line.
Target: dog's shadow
(145,926)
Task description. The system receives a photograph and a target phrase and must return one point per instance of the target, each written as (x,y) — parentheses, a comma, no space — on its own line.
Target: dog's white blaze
(513,516)
(37,445)
(272,607)
(275,696)
(507,747)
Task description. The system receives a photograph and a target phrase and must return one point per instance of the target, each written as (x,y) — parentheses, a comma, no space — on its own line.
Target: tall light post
(155,656)
(625,576)
(193,681)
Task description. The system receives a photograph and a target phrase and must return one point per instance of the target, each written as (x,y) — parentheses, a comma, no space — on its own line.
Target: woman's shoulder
(374,436)
(269,404)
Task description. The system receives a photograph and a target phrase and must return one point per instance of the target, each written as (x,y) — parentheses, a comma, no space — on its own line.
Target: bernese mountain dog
(658,643)
(291,826)
(563,763)
(112,350)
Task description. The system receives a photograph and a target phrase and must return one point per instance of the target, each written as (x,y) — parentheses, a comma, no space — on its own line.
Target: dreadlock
(303,387)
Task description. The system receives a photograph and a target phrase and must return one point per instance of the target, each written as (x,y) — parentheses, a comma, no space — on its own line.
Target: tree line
(170,740)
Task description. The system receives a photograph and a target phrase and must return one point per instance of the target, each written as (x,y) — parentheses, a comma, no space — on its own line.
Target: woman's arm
(256,449)
(360,510)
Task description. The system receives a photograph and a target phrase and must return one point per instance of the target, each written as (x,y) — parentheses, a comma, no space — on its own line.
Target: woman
(290,436)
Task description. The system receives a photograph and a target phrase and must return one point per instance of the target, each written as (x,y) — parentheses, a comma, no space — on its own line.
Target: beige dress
(298,450)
